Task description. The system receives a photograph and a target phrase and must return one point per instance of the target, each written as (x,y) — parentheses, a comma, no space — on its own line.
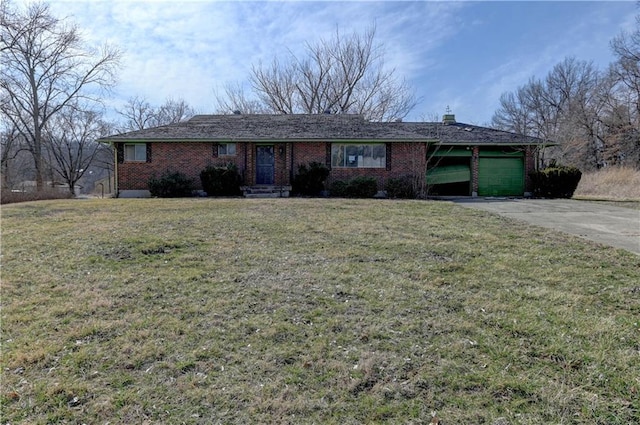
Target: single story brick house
(453,158)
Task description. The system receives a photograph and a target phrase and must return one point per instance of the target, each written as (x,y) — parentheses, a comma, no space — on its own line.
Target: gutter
(261,140)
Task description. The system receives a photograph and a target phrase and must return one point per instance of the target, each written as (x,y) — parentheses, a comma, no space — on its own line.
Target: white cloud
(186,49)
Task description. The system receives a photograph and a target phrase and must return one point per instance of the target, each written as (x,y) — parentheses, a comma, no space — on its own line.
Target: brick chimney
(448,119)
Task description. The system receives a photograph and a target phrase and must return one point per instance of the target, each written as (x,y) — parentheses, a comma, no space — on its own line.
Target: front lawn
(307,311)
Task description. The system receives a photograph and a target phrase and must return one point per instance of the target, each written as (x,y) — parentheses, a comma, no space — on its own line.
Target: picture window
(359,156)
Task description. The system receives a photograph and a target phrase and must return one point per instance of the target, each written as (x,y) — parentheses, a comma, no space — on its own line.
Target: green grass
(310,311)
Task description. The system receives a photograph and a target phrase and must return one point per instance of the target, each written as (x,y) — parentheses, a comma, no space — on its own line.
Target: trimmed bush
(221,181)
(339,189)
(310,180)
(172,184)
(400,188)
(556,182)
(362,187)
(359,187)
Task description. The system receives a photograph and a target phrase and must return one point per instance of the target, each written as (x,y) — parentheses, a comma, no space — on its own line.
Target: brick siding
(529,167)
(475,160)
(403,159)
(189,158)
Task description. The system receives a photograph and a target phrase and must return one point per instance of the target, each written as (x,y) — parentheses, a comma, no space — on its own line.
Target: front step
(266,191)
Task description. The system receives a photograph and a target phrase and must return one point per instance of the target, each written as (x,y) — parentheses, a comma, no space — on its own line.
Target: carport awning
(449,174)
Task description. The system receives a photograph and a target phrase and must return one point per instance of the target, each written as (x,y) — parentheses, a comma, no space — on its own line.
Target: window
(227,149)
(137,152)
(359,156)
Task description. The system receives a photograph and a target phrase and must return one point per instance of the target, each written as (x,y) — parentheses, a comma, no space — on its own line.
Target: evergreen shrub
(556,182)
(338,189)
(359,187)
(171,184)
(310,179)
(400,188)
(221,181)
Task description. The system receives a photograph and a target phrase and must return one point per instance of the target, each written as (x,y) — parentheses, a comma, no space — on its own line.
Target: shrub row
(359,187)
(401,188)
(556,182)
(309,181)
(216,181)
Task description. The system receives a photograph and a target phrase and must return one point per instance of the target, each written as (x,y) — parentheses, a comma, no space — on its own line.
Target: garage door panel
(449,174)
(500,176)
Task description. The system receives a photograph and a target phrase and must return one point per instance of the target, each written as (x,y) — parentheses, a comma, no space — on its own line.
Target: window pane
(351,155)
(141,152)
(337,155)
(129,152)
(227,149)
(137,152)
(375,156)
(361,156)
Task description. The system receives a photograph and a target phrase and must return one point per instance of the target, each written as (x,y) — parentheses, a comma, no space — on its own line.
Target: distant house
(453,158)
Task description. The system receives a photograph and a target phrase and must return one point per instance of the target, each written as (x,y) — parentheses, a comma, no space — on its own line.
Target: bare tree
(345,74)
(626,69)
(514,114)
(139,114)
(234,99)
(563,107)
(11,146)
(44,68)
(72,146)
(174,111)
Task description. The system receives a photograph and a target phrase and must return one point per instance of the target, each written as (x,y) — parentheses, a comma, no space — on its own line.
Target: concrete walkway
(606,224)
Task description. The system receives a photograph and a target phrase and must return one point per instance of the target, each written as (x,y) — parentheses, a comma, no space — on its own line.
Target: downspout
(291,164)
(115,170)
(244,171)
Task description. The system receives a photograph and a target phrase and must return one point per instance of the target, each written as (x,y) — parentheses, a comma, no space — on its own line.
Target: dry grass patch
(614,183)
(310,311)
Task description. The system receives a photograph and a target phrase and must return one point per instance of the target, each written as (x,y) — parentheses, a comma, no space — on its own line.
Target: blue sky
(458,54)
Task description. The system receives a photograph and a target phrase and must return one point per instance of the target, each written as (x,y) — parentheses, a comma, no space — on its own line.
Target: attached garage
(501,173)
(449,172)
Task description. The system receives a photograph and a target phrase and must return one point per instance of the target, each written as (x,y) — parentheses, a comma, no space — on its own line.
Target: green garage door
(448,174)
(500,177)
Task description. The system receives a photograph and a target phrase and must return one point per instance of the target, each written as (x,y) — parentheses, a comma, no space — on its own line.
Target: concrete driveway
(606,224)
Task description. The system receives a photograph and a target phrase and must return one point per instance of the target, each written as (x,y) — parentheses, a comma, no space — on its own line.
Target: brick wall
(402,159)
(192,157)
(186,157)
(529,167)
(475,159)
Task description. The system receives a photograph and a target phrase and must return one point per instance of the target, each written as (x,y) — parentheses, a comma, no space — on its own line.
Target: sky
(456,55)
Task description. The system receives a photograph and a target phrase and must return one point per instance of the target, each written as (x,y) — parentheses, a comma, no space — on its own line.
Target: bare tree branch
(345,74)
(139,114)
(44,68)
(71,137)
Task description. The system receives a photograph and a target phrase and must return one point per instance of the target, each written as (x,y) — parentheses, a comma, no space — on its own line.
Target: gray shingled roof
(252,128)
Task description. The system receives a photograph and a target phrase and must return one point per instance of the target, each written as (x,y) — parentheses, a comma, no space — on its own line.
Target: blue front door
(265,165)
